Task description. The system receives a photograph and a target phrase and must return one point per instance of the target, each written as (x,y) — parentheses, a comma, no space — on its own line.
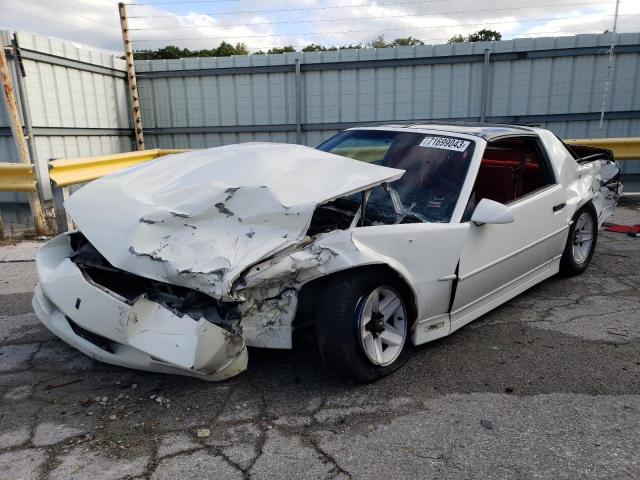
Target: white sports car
(382,238)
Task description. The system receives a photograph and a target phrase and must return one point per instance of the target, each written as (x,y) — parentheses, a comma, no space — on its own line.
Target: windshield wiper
(399,208)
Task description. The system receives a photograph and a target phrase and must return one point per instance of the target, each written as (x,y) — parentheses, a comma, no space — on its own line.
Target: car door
(425,255)
(499,261)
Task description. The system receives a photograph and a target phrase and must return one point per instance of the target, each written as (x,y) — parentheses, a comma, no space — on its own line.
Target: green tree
(172,52)
(225,50)
(285,49)
(314,47)
(484,35)
(241,49)
(378,42)
(406,42)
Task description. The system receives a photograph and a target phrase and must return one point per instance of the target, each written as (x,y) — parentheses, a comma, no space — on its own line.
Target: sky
(263,24)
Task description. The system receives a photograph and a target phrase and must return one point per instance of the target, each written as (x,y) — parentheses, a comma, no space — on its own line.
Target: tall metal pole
(18,138)
(614,38)
(298,104)
(485,84)
(131,73)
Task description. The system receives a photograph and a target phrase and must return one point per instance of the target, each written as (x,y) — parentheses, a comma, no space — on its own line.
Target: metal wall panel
(204,102)
(211,100)
(541,76)
(207,140)
(68,98)
(52,147)
(73,90)
(4,119)
(527,77)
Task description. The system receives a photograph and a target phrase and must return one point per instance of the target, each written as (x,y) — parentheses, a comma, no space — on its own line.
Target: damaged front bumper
(138,334)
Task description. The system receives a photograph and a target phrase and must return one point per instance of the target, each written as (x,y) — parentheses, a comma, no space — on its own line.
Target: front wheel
(581,242)
(363,326)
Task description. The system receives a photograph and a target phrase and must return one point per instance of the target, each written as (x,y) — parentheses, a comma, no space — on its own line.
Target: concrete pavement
(546,386)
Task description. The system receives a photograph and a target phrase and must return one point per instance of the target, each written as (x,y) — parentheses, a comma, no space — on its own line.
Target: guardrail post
(19,140)
(63,221)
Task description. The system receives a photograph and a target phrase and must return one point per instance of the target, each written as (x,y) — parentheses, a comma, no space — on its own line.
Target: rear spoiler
(587,153)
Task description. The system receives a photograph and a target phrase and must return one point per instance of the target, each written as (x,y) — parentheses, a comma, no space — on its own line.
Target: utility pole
(131,75)
(18,138)
(614,38)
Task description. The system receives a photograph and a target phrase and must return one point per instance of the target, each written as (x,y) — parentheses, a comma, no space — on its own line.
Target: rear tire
(581,242)
(363,325)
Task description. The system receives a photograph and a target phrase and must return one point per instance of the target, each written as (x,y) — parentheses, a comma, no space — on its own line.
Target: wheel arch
(586,202)
(568,266)
(310,293)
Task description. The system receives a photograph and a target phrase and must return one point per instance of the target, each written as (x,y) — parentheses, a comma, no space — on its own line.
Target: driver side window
(510,169)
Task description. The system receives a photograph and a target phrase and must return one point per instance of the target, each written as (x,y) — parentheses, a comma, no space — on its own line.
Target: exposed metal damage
(182,263)
(216,256)
(598,179)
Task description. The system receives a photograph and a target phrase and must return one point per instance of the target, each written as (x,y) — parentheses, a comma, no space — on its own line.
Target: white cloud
(96,23)
(597,20)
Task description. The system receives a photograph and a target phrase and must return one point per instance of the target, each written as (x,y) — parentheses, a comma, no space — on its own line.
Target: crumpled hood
(199,219)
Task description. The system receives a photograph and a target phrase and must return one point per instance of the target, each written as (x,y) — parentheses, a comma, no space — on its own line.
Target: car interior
(510,169)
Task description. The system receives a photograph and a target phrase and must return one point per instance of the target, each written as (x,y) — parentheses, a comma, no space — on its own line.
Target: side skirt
(431,328)
(479,307)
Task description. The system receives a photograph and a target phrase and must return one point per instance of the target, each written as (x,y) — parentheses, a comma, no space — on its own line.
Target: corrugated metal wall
(78,97)
(78,102)
(555,82)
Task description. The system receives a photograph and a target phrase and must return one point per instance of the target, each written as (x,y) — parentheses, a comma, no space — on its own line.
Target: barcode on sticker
(445,143)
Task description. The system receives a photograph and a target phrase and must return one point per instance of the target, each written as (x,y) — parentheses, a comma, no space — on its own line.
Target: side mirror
(491,212)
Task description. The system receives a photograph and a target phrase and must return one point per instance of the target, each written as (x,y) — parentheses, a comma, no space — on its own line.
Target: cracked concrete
(49,434)
(556,371)
(82,463)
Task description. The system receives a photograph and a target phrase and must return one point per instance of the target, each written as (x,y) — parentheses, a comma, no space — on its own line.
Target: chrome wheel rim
(382,324)
(582,237)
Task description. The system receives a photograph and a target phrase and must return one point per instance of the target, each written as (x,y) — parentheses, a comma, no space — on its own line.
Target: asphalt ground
(546,386)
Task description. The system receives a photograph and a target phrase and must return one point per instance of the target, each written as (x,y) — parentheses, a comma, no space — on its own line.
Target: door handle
(560,206)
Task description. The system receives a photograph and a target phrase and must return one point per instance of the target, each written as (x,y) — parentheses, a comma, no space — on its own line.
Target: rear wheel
(363,326)
(581,242)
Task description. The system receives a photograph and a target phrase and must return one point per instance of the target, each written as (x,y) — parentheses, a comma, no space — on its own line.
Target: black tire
(338,328)
(572,264)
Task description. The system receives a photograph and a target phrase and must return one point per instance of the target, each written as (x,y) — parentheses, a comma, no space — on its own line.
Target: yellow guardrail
(17,177)
(623,148)
(71,171)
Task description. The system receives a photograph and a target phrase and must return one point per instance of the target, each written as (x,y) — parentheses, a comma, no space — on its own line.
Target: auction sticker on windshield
(445,143)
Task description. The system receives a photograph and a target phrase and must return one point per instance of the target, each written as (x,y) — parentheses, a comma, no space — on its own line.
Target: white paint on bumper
(144,335)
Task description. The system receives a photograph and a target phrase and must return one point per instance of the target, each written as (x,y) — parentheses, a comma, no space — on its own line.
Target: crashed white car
(382,238)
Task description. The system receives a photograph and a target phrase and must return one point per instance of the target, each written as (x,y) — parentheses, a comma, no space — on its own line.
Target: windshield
(436,167)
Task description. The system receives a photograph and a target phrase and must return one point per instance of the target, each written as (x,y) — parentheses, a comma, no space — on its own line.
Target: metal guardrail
(72,171)
(623,148)
(17,177)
